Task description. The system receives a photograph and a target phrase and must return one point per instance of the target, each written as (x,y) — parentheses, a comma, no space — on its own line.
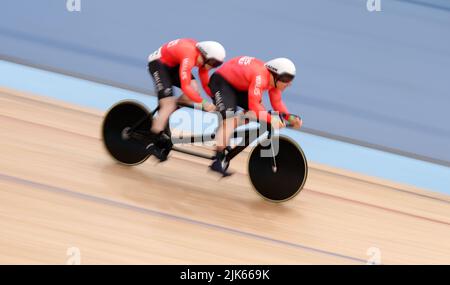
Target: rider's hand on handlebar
(277,122)
(295,122)
(208,107)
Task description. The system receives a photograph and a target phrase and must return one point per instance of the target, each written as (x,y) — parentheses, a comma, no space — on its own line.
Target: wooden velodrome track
(60,189)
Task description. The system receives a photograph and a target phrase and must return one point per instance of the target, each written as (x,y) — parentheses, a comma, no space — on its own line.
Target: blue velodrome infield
(322,150)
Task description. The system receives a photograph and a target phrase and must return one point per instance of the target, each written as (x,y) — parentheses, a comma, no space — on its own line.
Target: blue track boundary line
(304,129)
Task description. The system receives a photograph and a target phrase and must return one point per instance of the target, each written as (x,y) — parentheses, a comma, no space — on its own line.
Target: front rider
(171,65)
(241,82)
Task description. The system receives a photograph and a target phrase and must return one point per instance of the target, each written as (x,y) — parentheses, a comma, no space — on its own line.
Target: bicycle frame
(245,135)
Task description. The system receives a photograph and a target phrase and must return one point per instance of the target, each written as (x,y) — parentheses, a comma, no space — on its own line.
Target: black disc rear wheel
(282,179)
(117,138)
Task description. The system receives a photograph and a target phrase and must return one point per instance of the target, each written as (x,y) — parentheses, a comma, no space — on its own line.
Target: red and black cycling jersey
(249,74)
(183,52)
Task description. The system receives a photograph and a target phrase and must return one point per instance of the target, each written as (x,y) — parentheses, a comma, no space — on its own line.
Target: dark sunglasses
(285,77)
(213,62)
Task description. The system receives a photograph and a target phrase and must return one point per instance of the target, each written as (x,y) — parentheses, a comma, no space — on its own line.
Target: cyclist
(241,82)
(171,65)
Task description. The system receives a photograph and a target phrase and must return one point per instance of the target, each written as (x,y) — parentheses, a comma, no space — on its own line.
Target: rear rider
(171,65)
(241,82)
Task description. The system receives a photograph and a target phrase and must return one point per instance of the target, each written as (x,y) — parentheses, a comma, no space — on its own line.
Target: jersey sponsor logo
(173,43)
(184,72)
(258,82)
(219,101)
(245,60)
(158,83)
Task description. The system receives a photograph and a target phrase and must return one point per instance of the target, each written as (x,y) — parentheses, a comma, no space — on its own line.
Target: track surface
(60,189)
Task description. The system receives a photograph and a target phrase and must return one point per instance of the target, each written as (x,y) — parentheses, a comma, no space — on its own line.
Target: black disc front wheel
(278,169)
(120,121)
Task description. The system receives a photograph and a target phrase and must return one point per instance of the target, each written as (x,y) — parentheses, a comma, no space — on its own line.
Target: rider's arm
(254,101)
(185,78)
(204,79)
(277,103)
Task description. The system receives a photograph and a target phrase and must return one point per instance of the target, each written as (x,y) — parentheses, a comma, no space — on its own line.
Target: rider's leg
(223,137)
(224,133)
(167,106)
(233,120)
(167,102)
(225,101)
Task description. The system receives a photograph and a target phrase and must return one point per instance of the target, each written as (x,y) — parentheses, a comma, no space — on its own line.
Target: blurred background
(367,81)
(378,79)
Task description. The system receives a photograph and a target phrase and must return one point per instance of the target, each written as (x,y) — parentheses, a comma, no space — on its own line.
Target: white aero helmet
(212,52)
(283,69)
